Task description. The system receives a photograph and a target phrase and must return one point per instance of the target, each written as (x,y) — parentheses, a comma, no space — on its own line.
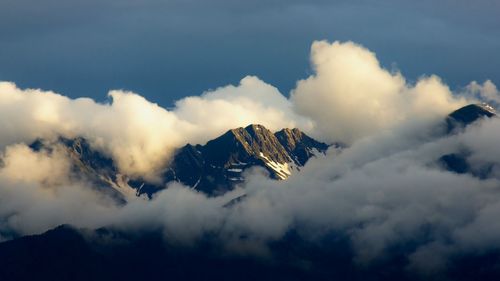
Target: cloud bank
(138,134)
(486,92)
(351,96)
(384,189)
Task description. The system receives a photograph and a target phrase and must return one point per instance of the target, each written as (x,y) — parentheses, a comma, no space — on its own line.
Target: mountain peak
(255,127)
(300,145)
(290,136)
(467,115)
(218,165)
(213,168)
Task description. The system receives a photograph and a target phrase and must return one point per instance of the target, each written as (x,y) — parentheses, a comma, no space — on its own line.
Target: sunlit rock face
(218,166)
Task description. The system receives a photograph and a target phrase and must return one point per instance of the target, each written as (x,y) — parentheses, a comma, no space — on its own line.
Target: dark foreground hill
(65,253)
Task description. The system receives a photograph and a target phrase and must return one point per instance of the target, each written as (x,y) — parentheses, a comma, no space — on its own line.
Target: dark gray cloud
(169,49)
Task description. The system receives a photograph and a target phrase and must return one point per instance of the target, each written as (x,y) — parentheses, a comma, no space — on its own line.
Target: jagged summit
(213,168)
(241,143)
(218,165)
(299,144)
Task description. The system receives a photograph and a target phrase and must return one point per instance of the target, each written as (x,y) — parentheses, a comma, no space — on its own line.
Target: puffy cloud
(396,195)
(20,163)
(252,101)
(351,96)
(487,92)
(384,190)
(37,193)
(138,134)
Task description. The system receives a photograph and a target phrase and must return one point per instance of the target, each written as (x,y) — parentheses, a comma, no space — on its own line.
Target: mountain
(213,168)
(90,165)
(218,165)
(456,122)
(300,145)
(467,115)
(67,253)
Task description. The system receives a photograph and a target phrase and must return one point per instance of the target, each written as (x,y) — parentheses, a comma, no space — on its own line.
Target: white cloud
(385,188)
(138,134)
(37,193)
(251,102)
(487,92)
(351,96)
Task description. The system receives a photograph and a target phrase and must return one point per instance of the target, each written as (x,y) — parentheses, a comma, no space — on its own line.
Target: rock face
(300,145)
(213,168)
(218,165)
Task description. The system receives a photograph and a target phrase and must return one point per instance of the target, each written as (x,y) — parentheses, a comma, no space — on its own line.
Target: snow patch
(488,107)
(236,170)
(283,171)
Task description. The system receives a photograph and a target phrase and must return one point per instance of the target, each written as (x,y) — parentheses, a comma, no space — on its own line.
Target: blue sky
(165,50)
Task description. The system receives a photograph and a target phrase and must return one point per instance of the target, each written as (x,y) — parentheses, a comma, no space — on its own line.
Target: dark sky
(165,50)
